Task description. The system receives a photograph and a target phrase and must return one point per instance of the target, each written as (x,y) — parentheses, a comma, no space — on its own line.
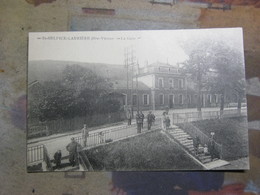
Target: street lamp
(212,134)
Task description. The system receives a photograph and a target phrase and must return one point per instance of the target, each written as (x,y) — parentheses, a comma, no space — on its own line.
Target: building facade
(158,86)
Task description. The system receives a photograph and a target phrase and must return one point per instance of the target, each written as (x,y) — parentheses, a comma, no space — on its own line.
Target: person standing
(73,148)
(139,122)
(142,118)
(101,137)
(212,150)
(57,159)
(150,120)
(85,134)
(129,117)
(166,122)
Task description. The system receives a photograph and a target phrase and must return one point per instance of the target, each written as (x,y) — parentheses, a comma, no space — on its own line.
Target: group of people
(140,119)
(73,148)
(166,122)
(207,149)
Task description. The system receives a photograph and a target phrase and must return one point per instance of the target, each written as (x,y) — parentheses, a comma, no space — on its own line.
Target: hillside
(52,70)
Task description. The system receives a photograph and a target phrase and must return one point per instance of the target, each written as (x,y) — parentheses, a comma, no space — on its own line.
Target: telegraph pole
(129,64)
(127,87)
(137,94)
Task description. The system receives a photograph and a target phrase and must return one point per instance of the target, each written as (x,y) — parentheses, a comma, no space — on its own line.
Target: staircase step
(190,148)
(186,142)
(177,131)
(174,126)
(181,136)
(206,160)
(204,157)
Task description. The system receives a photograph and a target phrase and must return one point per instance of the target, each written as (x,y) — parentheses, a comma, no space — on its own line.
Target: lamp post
(212,134)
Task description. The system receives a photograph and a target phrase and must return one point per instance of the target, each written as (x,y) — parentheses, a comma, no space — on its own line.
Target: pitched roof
(122,84)
(161,64)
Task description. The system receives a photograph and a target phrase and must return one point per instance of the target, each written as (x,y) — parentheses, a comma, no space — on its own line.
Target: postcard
(151,100)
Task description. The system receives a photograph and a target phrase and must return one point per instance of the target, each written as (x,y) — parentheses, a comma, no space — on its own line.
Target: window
(161,99)
(124,99)
(180,99)
(160,80)
(216,98)
(146,99)
(209,98)
(176,83)
(171,99)
(189,99)
(181,83)
(134,99)
(171,83)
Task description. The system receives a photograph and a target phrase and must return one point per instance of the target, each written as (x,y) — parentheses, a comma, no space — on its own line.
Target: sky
(109,46)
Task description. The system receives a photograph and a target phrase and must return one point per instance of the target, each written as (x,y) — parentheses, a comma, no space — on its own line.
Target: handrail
(81,162)
(116,133)
(85,162)
(183,117)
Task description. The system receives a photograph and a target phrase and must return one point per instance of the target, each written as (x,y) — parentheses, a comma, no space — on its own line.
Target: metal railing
(35,154)
(84,162)
(38,154)
(107,135)
(112,134)
(203,115)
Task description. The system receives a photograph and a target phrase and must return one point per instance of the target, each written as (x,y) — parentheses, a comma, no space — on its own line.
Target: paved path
(114,133)
(53,143)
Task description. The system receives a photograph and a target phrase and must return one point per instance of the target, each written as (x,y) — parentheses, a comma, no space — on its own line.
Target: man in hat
(73,147)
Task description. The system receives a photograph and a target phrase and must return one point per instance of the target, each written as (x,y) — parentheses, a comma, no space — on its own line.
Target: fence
(38,154)
(107,135)
(35,154)
(63,125)
(195,116)
(37,130)
(112,134)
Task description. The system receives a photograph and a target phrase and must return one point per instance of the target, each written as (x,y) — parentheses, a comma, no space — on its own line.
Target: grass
(151,151)
(232,133)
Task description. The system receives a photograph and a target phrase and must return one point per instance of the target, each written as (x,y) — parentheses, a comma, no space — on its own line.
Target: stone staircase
(186,141)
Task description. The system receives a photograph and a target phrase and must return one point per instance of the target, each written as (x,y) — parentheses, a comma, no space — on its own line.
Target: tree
(216,65)
(199,63)
(229,75)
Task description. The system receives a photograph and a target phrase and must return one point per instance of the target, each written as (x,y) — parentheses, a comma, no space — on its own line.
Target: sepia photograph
(151,100)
